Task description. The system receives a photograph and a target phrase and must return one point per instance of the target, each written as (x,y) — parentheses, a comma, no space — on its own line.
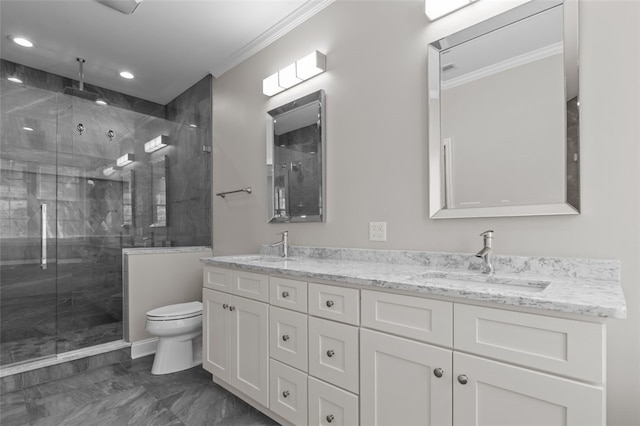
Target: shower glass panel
(28,164)
(84,168)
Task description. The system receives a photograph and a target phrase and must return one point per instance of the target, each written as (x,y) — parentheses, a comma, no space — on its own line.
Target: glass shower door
(28,268)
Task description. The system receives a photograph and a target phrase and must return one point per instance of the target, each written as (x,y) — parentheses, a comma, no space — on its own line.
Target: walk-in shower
(76,187)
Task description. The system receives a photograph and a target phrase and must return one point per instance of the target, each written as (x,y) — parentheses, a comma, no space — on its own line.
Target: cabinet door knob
(285,337)
(330,353)
(330,418)
(438,372)
(463,379)
(225,306)
(285,394)
(232,308)
(285,294)
(329,303)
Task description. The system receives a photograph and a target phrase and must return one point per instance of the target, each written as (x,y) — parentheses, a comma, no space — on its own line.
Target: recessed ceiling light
(100,102)
(21,41)
(15,80)
(28,129)
(126,74)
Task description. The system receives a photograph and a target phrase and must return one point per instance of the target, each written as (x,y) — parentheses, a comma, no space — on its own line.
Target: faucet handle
(488,233)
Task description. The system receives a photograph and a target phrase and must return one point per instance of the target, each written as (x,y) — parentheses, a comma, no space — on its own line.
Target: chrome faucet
(486,253)
(284,243)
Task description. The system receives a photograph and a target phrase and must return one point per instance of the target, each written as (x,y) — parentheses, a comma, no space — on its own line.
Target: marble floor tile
(126,393)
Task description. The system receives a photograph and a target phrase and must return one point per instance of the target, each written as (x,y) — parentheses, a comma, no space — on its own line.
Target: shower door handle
(43,238)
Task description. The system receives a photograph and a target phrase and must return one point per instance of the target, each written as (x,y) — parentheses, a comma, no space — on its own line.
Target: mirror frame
(437,190)
(319,97)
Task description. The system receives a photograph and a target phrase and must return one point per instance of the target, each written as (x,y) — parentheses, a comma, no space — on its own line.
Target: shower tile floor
(126,393)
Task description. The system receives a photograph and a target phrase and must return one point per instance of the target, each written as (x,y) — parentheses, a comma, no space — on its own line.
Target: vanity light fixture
(15,80)
(301,70)
(124,160)
(156,144)
(21,41)
(127,75)
(435,9)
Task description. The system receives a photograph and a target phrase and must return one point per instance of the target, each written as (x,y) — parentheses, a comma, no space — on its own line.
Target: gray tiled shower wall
(91,204)
(91,215)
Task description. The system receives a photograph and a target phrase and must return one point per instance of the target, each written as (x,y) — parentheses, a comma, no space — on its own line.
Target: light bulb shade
(301,70)
(270,85)
(435,9)
(124,160)
(287,77)
(311,65)
(156,144)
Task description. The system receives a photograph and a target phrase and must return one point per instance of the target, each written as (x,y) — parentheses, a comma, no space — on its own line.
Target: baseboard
(144,347)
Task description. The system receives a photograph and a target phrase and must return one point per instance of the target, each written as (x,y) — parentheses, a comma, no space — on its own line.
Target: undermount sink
(497,281)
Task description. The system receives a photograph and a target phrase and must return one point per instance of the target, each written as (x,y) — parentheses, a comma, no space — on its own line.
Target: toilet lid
(176,311)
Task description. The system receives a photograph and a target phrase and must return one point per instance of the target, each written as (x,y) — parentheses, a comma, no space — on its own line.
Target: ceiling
(168,45)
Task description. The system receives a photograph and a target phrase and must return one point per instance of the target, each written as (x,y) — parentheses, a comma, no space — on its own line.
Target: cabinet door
(331,406)
(403,382)
(250,348)
(216,336)
(497,394)
(288,392)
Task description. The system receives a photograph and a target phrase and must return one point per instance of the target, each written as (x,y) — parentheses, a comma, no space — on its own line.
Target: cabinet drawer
(335,303)
(288,337)
(333,353)
(290,294)
(414,317)
(288,392)
(250,285)
(329,405)
(567,347)
(217,278)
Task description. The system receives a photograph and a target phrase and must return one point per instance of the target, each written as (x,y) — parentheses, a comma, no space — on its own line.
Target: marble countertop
(576,286)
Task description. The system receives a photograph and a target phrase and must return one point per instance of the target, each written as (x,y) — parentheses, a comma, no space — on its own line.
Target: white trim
(297,17)
(144,347)
(516,61)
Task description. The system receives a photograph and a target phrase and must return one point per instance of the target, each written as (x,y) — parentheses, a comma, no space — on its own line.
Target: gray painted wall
(377,151)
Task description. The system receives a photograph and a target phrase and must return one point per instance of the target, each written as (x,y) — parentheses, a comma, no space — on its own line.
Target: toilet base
(175,354)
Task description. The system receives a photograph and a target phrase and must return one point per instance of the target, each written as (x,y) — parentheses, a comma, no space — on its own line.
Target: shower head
(80,93)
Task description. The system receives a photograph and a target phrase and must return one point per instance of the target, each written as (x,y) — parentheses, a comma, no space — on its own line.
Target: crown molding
(297,17)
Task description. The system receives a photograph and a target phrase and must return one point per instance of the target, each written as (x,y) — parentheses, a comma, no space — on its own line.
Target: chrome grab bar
(223,194)
(43,238)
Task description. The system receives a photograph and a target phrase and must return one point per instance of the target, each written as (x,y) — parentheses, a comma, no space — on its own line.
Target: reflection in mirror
(127,199)
(503,137)
(295,160)
(159,191)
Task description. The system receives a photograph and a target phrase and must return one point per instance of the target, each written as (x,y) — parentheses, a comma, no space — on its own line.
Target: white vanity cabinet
(323,354)
(235,334)
(404,381)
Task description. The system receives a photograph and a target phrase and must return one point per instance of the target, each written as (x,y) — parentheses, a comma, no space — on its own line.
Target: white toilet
(179,331)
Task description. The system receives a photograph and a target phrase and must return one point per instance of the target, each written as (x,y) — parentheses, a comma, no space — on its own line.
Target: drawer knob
(225,306)
(330,353)
(330,418)
(232,308)
(463,379)
(329,303)
(285,294)
(285,394)
(285,337)
(438,372)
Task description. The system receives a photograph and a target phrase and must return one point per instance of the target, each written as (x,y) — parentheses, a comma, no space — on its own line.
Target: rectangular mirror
(295,160)
(503,115)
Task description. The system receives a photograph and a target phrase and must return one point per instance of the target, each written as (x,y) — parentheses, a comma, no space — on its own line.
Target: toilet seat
(178,311)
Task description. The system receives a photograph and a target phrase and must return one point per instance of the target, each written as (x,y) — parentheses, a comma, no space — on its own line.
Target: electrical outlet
(377,231)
